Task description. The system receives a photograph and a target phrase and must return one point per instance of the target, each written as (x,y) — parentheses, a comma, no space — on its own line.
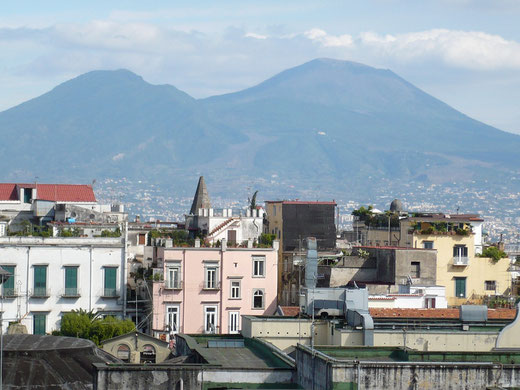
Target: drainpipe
(221,288)
(123,272)
(358,363)
(90,281)
(27,282)
(183,265)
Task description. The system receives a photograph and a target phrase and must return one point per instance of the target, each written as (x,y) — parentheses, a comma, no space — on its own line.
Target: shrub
(493,253)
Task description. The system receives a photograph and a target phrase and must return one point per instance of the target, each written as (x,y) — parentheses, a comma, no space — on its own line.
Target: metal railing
(461,260)
(40,292)
(8,292)
(211,285)
(110,293)
(70,292)
(173,284)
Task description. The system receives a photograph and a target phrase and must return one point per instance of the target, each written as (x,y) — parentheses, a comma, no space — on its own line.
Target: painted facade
(207,290)
(53,276)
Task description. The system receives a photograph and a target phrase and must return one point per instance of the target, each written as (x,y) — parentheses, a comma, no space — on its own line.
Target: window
(39,323)
(274,210)
(210,319)
(110,282)
(490,285)
(460,287)
(8,289)
(40,281)
(415,271)
(71,281)
(429,303)
(258,266)
(258,299)
(148,354)
(235,289)
(123,353)
(234,318)
(172,319)
(427,244)
(173,277)
(460,251)
(211,277)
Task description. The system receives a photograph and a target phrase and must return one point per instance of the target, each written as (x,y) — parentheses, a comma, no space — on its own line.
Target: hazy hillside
(325,122)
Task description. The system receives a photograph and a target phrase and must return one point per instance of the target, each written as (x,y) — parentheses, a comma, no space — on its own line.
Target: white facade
(53,276)
(420,297)
(229,224)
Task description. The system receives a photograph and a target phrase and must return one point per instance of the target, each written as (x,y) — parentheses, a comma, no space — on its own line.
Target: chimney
(223,245)
(197,243)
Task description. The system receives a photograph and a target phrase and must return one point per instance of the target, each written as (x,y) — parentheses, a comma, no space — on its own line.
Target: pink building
(206,290)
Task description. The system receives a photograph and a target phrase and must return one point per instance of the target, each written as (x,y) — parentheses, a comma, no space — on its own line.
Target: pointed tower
(201,199)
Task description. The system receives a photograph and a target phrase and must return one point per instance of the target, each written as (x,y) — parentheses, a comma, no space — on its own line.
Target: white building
(419,297)
(53,276)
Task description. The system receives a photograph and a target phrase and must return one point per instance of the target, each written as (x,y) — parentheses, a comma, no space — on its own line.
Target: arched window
(148,354)
(258,299)
(123,353)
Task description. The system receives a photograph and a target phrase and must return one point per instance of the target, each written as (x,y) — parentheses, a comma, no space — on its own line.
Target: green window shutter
(71,280)
(39,323)
(460,287)
(8,285)
(110,282)
(40,280)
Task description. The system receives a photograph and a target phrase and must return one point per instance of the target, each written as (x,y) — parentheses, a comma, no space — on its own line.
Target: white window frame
(255,291)
(237,289)
(176,312)
(234,322)
(258,273)
(211,283)
(207,310)
(169,282)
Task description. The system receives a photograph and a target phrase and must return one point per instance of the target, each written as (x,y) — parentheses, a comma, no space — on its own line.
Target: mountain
(325,123)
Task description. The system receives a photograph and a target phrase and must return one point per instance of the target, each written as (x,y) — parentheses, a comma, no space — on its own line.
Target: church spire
(201,199)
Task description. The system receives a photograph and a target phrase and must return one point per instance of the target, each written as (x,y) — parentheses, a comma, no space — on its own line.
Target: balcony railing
(71,292)
(40,292)
(461,261)
(211,285)
(173,284)
(8,292)
(110,293)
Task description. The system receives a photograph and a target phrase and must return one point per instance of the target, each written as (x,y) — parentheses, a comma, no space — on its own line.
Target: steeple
(201,199)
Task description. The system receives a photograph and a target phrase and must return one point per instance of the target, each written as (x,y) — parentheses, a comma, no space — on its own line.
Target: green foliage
(252,201)
(179,237)
(88,325)
(266,240)
(517,260)
(31,229)
(74,232)
(363,212)
(110,233)
(493,253)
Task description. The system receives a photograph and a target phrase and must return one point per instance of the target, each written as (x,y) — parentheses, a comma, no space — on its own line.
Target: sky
(464,52)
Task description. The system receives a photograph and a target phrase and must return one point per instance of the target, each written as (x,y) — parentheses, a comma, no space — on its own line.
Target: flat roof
(254,354)
(302,202)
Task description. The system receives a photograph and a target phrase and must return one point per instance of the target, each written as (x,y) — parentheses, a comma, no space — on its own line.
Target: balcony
(110,293)
(211,285)
(40,292)
(9,292)
(461,261)
(173,284)
(70,293)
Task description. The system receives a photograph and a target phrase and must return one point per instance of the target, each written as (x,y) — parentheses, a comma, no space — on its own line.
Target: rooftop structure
(201,198)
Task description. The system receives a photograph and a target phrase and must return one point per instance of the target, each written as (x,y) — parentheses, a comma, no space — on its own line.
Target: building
(418,297)
(208,289)
(236,226)
(206,362)
(136,347)
(41,203)
(457,238)
(53,276)
(292,222)
(382,269)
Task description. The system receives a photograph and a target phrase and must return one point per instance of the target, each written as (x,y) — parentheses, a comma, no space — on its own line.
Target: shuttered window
(110,282)
(71,281)
(8,285)
(39,323)
(40,280)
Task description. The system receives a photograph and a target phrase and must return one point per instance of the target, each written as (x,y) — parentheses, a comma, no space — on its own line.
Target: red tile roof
(290,311)
(52,192)
(508,314)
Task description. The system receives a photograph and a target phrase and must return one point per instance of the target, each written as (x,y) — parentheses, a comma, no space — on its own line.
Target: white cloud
(327,40)
(255,35)
(118,157)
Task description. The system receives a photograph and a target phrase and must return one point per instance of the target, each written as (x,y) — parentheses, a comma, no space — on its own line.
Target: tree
(494,253)
(89,325)
(252,202)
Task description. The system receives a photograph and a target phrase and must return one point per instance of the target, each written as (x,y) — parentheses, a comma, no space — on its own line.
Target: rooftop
(51,192)
(302,202)
(446,217)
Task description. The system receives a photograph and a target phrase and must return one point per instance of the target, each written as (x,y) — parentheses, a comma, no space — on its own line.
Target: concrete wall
(136,342)
(169,377)
(90,255)
(320,372)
